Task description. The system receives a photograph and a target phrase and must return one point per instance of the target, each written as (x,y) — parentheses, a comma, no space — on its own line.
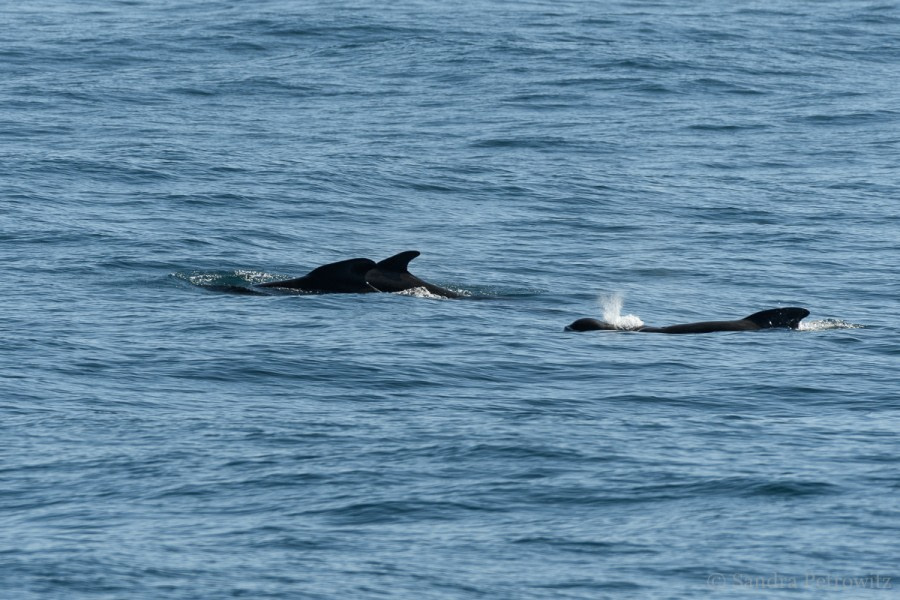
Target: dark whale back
(392,275)
(774,318)
(704,327)
(344,277)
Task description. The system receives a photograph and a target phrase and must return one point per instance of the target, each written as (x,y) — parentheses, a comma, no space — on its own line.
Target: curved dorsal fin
(788,317)
(398,262)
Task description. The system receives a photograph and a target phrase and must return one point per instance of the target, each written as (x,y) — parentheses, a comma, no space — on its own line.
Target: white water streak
(420,292)
(826,324)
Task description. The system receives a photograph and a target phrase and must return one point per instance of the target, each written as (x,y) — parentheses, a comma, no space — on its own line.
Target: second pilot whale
(774,318)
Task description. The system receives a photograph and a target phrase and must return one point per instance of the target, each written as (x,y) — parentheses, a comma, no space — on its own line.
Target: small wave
(853,118)
(826,324)
(539,143)
(611,305)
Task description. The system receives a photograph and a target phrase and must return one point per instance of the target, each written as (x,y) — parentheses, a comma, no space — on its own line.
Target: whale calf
(774,318)
(362,276)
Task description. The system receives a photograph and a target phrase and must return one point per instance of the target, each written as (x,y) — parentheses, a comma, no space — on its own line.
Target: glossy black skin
(362,276)
(344,277)
(775,318)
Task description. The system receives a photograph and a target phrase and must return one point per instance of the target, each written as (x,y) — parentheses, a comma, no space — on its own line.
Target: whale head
(588,324)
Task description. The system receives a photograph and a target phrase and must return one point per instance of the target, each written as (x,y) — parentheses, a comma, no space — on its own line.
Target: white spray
(612,312)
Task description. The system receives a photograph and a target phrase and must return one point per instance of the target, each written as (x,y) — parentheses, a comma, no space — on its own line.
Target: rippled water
(658,162)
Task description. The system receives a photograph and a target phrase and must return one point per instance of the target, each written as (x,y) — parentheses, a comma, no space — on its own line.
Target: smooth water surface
(162,438)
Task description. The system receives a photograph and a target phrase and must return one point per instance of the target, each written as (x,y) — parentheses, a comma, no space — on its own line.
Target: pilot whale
(774,318)
(362,276)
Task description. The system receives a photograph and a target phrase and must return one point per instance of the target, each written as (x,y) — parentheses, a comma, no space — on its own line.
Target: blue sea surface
(654,161)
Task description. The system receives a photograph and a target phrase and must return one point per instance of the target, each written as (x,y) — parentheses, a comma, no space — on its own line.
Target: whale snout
(588,324)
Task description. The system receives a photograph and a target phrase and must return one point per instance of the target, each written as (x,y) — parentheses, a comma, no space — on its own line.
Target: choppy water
(696,160)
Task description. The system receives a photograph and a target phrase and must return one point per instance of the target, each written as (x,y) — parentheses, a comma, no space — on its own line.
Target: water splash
(204,279)
(826,324)
(254,276)
(420,292)
(232,282)
(611,305)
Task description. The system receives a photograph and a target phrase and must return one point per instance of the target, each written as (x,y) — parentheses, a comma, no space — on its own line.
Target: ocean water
(654,160)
